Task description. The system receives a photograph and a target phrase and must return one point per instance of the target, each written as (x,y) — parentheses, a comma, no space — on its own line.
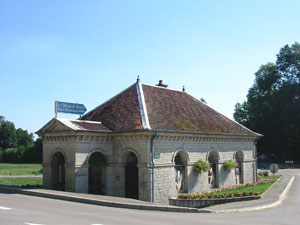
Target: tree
(272,107)
(8,138)
(17,145)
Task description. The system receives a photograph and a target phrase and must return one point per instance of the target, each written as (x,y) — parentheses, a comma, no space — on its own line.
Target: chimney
(160,84)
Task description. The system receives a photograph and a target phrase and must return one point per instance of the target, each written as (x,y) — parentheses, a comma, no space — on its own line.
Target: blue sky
(88,51)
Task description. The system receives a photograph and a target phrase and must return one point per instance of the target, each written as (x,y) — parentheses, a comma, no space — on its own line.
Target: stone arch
(239,171)
(132,176)
(58,170)
(216,153)
(213,158)
(58,150)
(124,154)
(183,153)
(129,161)
(102,151)
(180,159)
(239,154)
(97,173)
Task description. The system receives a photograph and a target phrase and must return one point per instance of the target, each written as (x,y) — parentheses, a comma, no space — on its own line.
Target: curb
(103,202)
(267,206)
(145,207)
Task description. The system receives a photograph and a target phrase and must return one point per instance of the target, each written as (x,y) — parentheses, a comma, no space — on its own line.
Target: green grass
(20,169)
(19,181)
(271,177)
(229,192)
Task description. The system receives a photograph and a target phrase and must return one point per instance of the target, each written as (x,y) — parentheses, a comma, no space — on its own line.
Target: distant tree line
(272,107)
(17,145)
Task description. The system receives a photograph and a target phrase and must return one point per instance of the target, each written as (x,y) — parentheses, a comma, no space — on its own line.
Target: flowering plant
(201,166)
(229,164)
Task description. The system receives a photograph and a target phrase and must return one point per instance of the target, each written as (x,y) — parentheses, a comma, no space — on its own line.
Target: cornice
(142,136)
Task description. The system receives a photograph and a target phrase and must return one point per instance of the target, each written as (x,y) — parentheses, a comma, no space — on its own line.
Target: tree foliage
(17,145)
(272,107)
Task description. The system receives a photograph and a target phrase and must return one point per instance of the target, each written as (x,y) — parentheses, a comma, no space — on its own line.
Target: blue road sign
(66,107)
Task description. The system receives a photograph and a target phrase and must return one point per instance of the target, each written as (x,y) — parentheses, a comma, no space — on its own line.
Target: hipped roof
(146,107)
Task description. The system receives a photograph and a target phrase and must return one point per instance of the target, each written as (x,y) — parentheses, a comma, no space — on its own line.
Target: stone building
(143,144)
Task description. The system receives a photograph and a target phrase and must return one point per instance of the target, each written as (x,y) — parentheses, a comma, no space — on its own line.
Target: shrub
(201,166)
(245,193)
(237,194)
(229,164)
(266,173)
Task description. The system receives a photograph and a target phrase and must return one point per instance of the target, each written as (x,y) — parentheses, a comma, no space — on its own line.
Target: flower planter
(200,203)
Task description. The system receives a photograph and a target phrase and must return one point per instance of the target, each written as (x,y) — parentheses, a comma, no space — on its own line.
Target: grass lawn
(19,181)
(20,169)
(271,177)
(235,191)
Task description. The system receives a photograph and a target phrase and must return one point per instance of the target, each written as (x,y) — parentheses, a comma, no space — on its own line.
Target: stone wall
(115,147)
(193,149)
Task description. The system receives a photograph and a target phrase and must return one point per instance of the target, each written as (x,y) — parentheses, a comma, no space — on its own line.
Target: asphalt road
(16,209)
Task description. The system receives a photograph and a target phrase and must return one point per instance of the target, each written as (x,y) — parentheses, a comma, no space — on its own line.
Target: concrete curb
(267,206)
(143,207)
(267,191)
(103,202)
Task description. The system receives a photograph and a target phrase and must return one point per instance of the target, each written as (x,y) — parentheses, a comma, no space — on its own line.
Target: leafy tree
(0,154)
(17,145)
(273,105)
(24,138)
(34,154)
(8,138)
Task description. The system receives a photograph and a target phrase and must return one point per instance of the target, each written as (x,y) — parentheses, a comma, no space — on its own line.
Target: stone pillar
(81,178)
(69,177)
(47,175)
(110,179)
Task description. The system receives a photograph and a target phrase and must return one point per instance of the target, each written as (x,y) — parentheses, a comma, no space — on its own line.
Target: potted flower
(229,164)
(201,165)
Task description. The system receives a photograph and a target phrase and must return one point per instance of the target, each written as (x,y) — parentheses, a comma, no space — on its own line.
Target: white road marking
(33,224)
(97,224)
(4,208)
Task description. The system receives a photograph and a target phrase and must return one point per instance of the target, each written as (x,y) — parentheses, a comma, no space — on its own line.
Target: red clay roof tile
(167,110)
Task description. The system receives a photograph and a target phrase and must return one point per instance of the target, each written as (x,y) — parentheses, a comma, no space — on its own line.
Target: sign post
(67,107)
(273,168)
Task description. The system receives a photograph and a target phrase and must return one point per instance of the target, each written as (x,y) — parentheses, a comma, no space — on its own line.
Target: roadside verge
(260,204)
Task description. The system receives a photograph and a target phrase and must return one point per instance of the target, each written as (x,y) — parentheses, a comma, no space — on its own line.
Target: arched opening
(58,171)
(213,173)
(97,173)
(132,177)
(239,173)
(180,173)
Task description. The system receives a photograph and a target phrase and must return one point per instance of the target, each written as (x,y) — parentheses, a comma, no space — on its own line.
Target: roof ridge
(142,105)
(87,121)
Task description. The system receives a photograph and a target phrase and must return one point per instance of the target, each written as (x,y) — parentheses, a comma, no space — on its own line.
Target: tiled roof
(179,111)
(165,109)
(120,113)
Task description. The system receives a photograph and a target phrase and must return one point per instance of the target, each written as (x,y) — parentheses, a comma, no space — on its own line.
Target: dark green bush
(229,164)
(201,166)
